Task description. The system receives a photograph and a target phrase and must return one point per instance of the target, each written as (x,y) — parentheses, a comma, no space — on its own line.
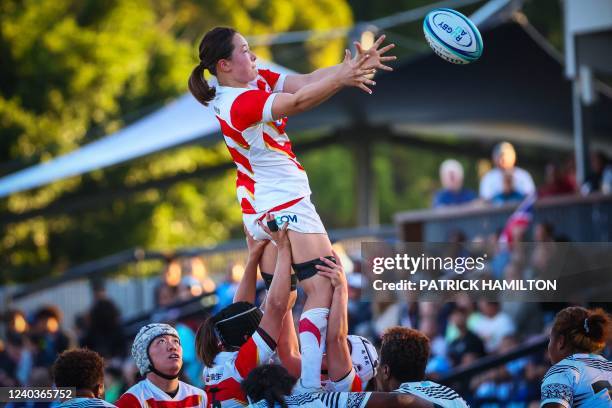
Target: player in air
(404,354)
(252,107)
(579,377)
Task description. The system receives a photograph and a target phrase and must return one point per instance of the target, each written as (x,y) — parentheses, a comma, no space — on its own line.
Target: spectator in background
(504,157)
(593,182)
(438,364)
(557,182)
(15,361)
(84,370)
(47,337)
(194,278)
(227,288)
(452,192)
(509,194)
(491,324)
(467,347)
(167,289)
(105,332)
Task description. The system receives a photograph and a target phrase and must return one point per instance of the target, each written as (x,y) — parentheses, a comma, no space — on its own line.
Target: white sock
(313,331)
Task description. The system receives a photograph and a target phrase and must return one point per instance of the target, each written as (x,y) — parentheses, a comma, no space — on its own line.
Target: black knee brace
(267,278)
(308,269)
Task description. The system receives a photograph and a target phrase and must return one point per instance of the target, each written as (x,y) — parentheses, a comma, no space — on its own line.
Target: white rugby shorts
(299,213)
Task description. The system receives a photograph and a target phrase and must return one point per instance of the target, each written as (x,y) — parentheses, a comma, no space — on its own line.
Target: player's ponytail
(208,345)
(585,330)
(217,44)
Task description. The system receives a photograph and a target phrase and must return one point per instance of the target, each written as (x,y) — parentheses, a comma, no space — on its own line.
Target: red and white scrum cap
(364,357)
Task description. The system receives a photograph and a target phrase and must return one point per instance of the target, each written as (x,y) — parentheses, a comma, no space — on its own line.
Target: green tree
(75,70)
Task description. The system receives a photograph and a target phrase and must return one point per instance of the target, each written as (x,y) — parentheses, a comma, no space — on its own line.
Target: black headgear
(237,322)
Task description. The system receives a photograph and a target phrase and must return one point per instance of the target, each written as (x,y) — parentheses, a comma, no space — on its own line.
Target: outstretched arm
(294,83)
(277,302)
(349,73)
(339,362)
(288,347)
(247,286)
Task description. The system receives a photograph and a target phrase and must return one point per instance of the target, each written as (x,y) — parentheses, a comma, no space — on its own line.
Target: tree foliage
(76,70)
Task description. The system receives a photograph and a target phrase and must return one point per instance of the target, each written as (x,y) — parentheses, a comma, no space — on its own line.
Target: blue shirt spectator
(452,192)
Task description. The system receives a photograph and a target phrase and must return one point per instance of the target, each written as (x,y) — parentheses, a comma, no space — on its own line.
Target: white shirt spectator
(491,330)
(492,183)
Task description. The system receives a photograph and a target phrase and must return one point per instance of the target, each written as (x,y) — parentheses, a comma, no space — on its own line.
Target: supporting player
(579,376)
(403,357)
(239,338)
(84,370)
(158,354)
(271,386)
(252,107)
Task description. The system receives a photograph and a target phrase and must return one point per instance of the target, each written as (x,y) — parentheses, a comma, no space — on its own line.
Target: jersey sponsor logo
(288,218)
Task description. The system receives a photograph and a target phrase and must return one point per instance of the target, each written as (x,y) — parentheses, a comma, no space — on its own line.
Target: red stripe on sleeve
(247,108)
(247,358)
(270,77)
(128,400)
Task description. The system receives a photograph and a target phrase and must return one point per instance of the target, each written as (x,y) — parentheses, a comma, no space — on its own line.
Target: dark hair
(585,330)
(406,352)
(208,344)
(48,312)
(269,382)
(80,368)
(216,44)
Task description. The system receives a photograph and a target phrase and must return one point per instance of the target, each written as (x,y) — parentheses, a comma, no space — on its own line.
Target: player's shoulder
(434,392)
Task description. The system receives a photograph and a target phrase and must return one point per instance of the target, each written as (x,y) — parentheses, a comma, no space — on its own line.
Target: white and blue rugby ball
(452,36)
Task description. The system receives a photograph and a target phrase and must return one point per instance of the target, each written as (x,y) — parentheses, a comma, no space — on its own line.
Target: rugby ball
(452,36)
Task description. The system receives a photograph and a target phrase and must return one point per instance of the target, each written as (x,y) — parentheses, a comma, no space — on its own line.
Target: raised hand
(353,73)
(280,235)
(333,271)
(376,58)
(256,247)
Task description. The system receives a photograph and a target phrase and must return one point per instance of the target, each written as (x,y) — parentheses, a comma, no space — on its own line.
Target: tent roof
(516,91)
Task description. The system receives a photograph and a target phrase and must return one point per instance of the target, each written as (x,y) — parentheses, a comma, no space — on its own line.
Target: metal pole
(580,137)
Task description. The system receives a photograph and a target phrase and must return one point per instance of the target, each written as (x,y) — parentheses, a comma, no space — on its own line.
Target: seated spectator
(84,370)
(167,289)
(468,346)
(15,361)
(47,337)
(195,280)
(452,192)
(492,184)
(508,194)
(104,333)
(593,182)
(557,182)
(491,325)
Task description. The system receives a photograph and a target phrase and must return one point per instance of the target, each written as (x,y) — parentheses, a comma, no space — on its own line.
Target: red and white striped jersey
(222,381)
(268,173)
(145,394)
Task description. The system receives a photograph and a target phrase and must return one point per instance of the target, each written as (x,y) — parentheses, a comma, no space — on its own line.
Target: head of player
(224,53)
(403,357)
(158,354)
(578,330)
(82,369)
(269,382)
(227,330)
